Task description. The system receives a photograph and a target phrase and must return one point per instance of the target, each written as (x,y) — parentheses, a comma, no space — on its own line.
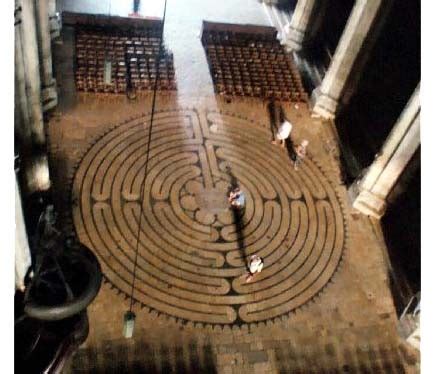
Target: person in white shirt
(255,265)
(283,133)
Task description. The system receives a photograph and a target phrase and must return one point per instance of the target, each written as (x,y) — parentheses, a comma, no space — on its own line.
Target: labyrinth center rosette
(192,248)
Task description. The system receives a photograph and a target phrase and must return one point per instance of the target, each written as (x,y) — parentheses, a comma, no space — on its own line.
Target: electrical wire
(147,155)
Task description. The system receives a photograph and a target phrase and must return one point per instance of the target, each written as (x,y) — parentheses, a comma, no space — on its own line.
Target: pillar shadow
(276,116)
(238,218)
(289,145)
(271,109)
(142,356)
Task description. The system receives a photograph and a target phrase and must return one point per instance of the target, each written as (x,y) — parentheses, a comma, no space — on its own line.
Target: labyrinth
(192,250)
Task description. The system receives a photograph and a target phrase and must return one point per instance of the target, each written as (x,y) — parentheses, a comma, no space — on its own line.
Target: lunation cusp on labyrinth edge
(192,251)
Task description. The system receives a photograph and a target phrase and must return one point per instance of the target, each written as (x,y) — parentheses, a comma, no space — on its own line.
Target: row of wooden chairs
(253,67)
(120,87)
(274,75)
(115,33)
(250,83)
(258,91)
(236,38)
(219,49)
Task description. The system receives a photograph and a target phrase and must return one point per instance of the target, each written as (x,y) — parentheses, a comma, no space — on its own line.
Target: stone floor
(322,303)
(323,298)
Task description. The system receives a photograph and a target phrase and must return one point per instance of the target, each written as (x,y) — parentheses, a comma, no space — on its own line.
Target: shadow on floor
(362,358)
(238,219)
(144,357)
(276,116)
(289,146)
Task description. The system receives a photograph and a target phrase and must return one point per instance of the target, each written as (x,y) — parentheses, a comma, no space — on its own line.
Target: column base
(54,26)
(37,174)
(54,34)
(366,202)
(323,105)
(49,96)
(293,39)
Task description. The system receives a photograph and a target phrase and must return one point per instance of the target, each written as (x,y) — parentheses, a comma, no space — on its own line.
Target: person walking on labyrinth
(300,153)
(283,133)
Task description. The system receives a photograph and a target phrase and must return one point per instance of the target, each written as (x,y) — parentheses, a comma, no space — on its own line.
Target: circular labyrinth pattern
(192,249)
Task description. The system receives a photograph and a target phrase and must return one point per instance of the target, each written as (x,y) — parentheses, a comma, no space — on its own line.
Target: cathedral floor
(322,303)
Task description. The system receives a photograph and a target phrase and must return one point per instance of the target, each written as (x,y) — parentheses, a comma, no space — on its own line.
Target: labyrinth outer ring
(189,268)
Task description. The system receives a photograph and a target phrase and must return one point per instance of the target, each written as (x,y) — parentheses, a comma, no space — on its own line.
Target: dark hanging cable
(147,154)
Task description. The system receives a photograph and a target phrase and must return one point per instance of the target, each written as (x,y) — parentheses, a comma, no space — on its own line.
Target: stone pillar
(54,20)
(29,125)
(27,28)
(369,194)
(297,31)
(48,83)
(22,250)
(352,46)
(22,116)
(278,18)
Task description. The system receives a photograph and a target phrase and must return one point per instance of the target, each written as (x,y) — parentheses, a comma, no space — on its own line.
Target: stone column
(22,250)
(278,18)
(53,18)
(369,194)
(350,48)
(48,83)
(29,125)
(298,29)
(27,29)
(22,116)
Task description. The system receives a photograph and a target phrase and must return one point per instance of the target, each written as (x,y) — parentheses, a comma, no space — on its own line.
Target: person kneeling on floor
(255,265)
(237,198)
(300,153)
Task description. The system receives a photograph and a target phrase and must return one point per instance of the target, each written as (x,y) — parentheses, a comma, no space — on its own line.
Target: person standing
(283,133)
(300,153)
(136,6)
